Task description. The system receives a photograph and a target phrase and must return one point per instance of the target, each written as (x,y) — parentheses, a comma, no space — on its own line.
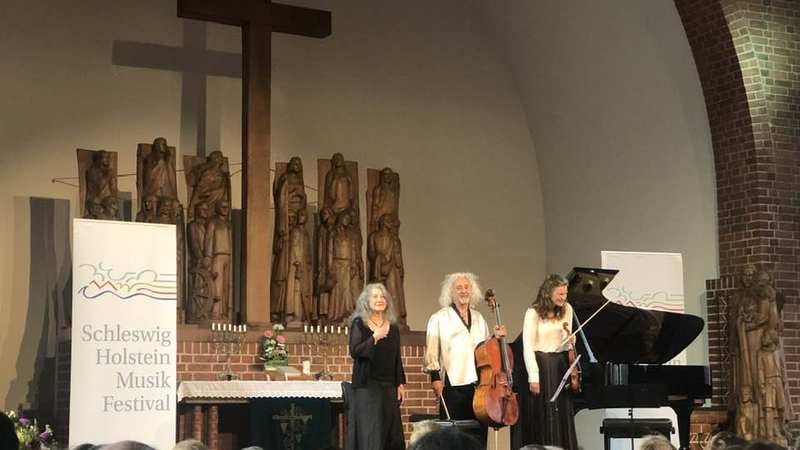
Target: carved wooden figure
(209,238)
(98,192)
(384,249)
(758,364)
(290,202)
(155,171)
(338,187)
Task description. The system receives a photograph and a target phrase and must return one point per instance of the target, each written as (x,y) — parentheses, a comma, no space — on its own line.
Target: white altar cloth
(259,389)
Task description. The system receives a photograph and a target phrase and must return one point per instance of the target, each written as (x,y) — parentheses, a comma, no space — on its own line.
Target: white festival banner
(122,385)
(651,281)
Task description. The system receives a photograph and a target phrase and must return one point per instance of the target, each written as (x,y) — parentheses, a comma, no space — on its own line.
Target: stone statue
(155,170)
(343,270)
(385,256)
(201,282)
(147,213)
(759,395)
(207,180)
(340,188)
(98,181)
(217,256)
(322,287)
(385,198)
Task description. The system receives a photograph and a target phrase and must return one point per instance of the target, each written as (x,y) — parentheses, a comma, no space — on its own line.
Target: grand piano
(624,350)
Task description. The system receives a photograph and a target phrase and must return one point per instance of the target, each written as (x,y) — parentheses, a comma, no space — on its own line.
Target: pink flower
(268,333)
(280,339)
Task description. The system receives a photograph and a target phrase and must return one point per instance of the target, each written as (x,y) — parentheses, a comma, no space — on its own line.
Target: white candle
(326,329)
(213,326)
(345,330)
(245,328)
(318,328)
(338,330)
(305,328)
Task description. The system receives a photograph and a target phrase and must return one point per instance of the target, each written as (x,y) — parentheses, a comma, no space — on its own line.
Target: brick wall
(747,57)
(197,360)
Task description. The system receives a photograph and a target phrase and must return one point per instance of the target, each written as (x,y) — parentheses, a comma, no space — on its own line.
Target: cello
(494,403)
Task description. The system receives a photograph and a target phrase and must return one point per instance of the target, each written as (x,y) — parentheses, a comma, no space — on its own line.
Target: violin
(575,376)
(495,404)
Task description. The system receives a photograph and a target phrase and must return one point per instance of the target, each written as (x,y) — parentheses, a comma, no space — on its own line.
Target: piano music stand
(552,406)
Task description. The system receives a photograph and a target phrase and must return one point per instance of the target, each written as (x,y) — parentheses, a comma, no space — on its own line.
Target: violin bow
(585,322)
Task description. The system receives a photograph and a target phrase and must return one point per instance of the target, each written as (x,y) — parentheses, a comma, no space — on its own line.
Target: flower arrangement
(28,434)
(273,348)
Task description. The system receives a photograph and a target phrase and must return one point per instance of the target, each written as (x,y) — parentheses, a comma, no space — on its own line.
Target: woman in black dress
(378,375)
(547,324)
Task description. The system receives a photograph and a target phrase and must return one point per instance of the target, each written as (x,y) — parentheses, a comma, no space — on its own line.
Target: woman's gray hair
(446,297)
(362,309)
(656,442)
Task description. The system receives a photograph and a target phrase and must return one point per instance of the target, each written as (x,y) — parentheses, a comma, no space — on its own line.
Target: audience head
(421,429)
(127,445)
(656,442)
(190,444)
(764,446)
(8,437)
(724,440)
(447,438)
(533,447)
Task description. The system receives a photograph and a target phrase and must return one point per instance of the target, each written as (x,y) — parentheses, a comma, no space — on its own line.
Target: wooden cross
(291,429)
(195,63)
(258,19)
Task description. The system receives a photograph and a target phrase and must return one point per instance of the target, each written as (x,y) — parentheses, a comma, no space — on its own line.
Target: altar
(292,415)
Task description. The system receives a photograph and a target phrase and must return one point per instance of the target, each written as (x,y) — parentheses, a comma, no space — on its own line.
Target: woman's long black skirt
(377,416)
(542,424)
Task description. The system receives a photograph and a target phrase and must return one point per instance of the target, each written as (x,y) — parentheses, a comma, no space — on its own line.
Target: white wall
(469,102)
(619,125)
(412,85)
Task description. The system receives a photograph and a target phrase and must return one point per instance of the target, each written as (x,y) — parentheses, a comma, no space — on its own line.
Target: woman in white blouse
(548,323)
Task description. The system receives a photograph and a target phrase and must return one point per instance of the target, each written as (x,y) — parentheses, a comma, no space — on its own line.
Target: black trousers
(377,416)
(459,404)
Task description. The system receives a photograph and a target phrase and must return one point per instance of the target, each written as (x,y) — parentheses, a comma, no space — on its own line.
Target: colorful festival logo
(146,283)
(660,300)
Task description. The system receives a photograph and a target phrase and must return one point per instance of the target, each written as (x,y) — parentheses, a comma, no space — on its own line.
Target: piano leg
(684,414)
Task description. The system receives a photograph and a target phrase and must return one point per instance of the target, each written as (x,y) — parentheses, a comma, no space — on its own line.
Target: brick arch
(747,55)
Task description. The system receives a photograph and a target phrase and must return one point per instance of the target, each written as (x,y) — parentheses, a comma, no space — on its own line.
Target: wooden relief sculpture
(209,240)
(291,292)
(340,276)
(760,394)
(157,189)
(98,190)
(384,249)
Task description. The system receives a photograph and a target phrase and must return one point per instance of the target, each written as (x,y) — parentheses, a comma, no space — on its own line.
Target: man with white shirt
(453,333)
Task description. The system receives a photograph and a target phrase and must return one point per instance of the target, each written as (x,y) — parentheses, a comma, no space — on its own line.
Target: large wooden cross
(258,19)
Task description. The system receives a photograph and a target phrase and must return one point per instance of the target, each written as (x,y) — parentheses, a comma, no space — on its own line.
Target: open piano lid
(624,334)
